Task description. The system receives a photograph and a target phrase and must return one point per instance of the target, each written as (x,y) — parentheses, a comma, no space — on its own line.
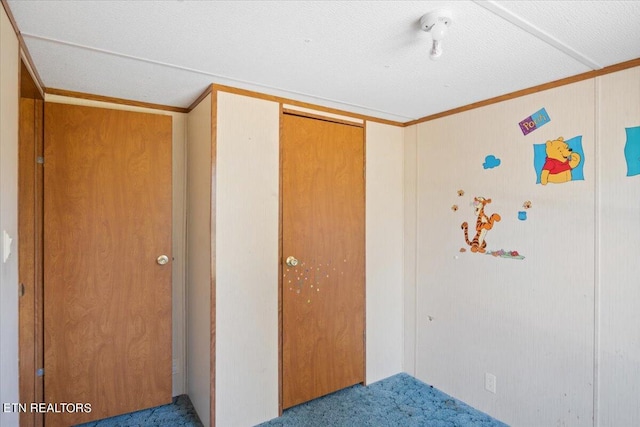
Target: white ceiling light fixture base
(436,23)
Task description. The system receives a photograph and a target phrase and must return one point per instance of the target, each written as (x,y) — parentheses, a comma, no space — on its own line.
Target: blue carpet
(400,400)
(179,413)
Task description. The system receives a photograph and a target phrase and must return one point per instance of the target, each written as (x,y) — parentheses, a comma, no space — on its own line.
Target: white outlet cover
(490,382)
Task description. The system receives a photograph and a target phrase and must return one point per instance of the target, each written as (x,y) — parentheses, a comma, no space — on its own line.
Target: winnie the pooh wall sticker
(559,161)
(484,223)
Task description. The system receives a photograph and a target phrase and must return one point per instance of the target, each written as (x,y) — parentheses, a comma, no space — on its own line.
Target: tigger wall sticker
(484,223)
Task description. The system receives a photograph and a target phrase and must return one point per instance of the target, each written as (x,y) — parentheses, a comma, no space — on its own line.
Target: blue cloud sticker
(491,162)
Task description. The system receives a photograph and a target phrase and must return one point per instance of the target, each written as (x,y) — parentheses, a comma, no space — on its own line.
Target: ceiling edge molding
(525,25)
(202,96)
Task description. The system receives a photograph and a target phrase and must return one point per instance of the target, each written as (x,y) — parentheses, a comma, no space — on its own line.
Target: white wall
(199,257)
(558,329)
(529,322)
(384,250)
(179,195)
(247,204)
(618,249)
(9,93)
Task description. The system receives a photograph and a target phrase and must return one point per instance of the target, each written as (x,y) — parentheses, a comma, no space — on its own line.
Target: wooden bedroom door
(107,222)
(323,296)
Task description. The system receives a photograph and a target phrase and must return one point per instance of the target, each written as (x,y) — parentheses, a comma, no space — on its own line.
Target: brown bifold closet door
(107,262)
(323,232)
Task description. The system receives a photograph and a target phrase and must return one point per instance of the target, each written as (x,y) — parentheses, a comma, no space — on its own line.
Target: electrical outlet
(490,382)
(175,366)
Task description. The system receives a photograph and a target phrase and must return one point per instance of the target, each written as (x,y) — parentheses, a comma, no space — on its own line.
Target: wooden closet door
(107,302)
(30,184)
(323,296)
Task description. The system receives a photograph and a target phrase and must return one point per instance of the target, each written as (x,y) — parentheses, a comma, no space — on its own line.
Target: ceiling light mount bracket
(430,19)
(436,23)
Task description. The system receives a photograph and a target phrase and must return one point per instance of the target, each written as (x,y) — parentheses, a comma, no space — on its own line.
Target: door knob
(292,261)
(162,259)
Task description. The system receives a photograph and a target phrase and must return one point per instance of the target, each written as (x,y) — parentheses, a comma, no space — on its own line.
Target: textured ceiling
(368,57)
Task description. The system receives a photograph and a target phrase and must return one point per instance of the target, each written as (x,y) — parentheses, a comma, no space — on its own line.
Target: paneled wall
(557,328)
(384,250)
(199,257)
(410,249)
(529,322)
(247,204)
(618,250)
(9,94)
